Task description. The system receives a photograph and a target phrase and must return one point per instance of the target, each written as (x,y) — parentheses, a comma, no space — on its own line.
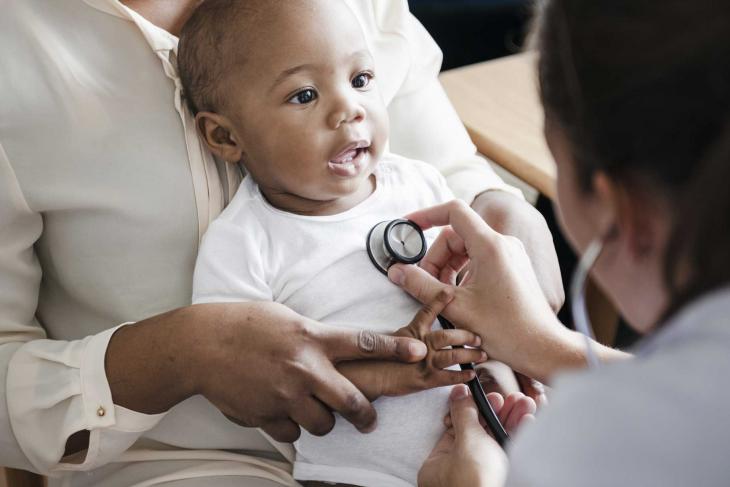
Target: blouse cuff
(57,388)
(468,184)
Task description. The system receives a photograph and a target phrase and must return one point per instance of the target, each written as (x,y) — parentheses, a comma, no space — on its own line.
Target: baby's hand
(380,378)
(514,411)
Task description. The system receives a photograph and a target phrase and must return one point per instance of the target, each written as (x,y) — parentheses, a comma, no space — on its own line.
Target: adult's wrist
(497,206)
(563,350)
(558,348)
(151,365)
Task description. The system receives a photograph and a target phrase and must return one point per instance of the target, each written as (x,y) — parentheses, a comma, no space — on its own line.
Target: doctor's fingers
(333,390)
(417,282)
(446,257)
(533,389)
(465,417)
(313,416)
(516,408)
(348,344)
(466,222)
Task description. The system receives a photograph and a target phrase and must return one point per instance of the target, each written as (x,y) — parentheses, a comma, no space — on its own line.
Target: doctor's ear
(627,216)
(217,131)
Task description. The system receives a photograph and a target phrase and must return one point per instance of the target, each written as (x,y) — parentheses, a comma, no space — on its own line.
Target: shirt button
(101,411)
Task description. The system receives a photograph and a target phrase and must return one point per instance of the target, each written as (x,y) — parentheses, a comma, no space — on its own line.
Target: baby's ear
(217,131)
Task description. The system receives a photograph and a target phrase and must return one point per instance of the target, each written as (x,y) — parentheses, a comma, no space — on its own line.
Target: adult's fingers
(446,256)
(464,413)
(313,416)
(496,400)
(284,430)
(532,388)
(466,222)
(516,407)
(341,395)
(348,344)
(416,282)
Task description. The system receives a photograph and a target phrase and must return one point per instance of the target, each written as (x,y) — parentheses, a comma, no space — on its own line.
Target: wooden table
(499,104)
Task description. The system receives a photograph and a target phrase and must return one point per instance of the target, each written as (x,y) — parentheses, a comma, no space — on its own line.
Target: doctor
(639,124)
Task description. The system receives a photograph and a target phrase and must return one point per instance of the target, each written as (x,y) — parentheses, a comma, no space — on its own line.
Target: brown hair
(210,50)
(642,90)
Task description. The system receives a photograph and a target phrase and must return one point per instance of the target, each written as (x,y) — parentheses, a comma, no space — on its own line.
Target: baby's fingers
(436,340)
(442,378)
(442,359)
(422,322)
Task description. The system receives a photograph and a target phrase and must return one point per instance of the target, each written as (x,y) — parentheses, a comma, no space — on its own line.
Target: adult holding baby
(105,193)
(639,125)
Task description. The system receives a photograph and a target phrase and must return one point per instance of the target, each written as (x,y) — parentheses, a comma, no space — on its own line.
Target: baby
(288,88)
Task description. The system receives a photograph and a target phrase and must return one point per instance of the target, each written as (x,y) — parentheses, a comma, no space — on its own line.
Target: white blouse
(105,191)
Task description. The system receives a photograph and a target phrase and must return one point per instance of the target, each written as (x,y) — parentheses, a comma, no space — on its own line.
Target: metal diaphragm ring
(396,241)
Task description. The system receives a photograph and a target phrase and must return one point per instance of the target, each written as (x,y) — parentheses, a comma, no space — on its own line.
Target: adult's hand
(500,298)
(261,364)
(510,215)
(465,456)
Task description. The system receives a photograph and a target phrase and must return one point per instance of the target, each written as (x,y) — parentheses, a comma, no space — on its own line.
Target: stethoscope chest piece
(402,242)
(395,241)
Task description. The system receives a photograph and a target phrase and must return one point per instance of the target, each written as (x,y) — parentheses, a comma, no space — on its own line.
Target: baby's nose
(346,112)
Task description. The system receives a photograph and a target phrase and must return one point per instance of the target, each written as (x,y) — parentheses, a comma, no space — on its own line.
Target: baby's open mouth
(348,156)
(348,162)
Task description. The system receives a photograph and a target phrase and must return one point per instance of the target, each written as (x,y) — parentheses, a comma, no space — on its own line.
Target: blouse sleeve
(424,124)
(52,388)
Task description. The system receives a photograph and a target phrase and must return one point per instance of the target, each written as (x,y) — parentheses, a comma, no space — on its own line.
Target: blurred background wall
(470,31)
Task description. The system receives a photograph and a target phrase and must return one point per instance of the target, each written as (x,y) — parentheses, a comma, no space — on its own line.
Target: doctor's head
(288,88)
(637,104)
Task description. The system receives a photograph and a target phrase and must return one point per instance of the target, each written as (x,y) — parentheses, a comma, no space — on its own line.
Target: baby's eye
(361,80)
(303,97)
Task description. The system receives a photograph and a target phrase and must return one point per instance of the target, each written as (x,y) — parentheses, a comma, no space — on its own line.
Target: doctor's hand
(465,456)
(510,215)
(377,378)
(500,298)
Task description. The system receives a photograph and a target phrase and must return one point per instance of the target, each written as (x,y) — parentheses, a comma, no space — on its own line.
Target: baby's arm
(379,378)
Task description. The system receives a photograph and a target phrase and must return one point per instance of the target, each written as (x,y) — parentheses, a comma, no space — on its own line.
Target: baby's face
(305,109)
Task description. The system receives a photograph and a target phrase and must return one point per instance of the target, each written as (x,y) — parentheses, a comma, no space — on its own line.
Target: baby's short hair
(207,50)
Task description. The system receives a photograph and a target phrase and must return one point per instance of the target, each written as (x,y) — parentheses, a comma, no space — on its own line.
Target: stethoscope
(402,241)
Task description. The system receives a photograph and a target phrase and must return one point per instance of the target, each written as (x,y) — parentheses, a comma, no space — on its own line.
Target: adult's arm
(500,298)
(425,126)
(50,389)
(117,384)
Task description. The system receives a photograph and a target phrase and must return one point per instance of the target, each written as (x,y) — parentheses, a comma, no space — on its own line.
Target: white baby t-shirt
(318,266)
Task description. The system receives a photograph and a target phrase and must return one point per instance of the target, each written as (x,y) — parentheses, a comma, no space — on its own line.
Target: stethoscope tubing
(480,397)
(391,257)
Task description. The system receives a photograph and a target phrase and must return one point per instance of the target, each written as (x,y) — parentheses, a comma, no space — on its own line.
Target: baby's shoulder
(243,216)
(414,175)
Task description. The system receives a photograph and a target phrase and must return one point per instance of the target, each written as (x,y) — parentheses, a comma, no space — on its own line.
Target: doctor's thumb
(464,413)
(416,282)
